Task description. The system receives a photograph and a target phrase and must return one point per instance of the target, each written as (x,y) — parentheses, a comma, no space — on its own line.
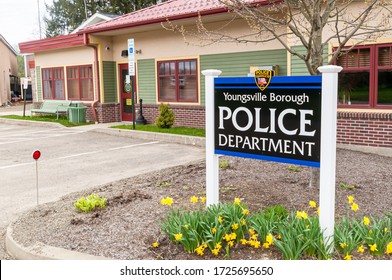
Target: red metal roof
(66,41)
(172,10)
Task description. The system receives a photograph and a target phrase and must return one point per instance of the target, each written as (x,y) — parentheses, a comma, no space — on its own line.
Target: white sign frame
(327,150)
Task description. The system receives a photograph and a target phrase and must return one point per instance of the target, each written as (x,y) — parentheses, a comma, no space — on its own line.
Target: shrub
(166,116)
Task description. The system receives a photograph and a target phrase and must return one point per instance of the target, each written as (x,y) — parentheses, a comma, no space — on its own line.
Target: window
(366,79)
(53,83)
(177,81)
(80,82)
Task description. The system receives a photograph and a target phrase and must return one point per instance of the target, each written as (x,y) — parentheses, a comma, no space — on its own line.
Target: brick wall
(190,116)
(105,112)
(365,129)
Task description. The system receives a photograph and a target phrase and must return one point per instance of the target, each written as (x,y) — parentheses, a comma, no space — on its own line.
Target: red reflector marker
(36,155)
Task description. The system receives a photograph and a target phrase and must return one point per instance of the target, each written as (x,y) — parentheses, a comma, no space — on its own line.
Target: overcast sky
(19,20)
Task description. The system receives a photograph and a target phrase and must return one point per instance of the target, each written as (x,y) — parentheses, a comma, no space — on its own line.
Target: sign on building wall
(269,118)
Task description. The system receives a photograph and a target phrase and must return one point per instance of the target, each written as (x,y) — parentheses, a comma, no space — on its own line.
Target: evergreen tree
(66,15)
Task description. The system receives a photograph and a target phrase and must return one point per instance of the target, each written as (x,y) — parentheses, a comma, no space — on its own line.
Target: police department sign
(280,122)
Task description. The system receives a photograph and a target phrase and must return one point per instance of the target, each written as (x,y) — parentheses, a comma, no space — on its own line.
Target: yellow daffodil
(366,221)
(254,236)
(194,199)
(233,236)
(155,245)
(237,201)
(318,211)
(231,243)
(203,199)
(200,250)
(348,257)
(245,212)
(302,215)
(350,199)
(256,244)
(251,231)
(343,245)
(361,249)
(389,248)
(266,245)
(178,236)
(243,241)
(167,201)
(373,247)
(312,204)
(234,227)
(220,219)
(215,251)
(243,222)
(213,230)
(269,239)
(186,226)
(354,207)
(218,245)
(385,230)
(227,237)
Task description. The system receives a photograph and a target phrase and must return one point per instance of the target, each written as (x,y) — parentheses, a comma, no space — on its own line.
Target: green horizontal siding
(238,64)
(146,83)
(38,78)
(109,81)
(298,66)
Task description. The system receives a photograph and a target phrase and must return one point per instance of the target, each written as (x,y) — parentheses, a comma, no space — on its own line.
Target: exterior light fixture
(124,53)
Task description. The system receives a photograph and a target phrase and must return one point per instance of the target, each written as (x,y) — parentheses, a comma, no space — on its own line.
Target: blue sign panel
(269,118)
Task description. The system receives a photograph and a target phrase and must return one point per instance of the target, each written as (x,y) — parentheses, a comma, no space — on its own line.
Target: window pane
(181,67)
(48,89)
(384,56)
(87,89)
(193,67)
(72,73)
(73,89)
(384,88)
(46,74)
(188,88)
(354,88)
(59,89)
(167,88)
(364,57)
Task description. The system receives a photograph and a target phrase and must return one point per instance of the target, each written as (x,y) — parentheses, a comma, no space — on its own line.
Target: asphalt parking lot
(73,159)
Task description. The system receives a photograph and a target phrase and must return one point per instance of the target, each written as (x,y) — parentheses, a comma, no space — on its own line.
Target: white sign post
(212,160)
(131,57)
(328,151)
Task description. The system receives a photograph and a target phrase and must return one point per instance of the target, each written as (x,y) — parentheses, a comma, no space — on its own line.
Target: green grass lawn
(173,130)
(62,119)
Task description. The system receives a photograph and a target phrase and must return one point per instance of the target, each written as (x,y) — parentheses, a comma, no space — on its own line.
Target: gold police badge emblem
(263,78)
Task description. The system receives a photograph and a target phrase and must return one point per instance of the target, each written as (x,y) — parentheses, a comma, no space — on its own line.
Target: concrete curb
(40,251)
(152,136)
(30,123)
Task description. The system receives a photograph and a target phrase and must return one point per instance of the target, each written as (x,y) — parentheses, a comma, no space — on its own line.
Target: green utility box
(77,114)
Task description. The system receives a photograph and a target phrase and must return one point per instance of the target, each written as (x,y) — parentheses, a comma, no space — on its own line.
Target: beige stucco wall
(8,66)
(163,44)
(65,57)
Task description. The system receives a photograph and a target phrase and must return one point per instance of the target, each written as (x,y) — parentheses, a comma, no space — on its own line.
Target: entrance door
(126,93)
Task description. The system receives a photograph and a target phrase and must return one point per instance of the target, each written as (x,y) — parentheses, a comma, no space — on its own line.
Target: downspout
(96,62)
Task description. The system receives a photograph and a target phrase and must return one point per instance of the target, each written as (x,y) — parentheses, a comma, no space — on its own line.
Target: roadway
(73,159)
